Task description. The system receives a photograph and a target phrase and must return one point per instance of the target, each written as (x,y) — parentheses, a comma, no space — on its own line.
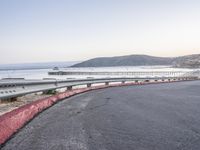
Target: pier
(119,73)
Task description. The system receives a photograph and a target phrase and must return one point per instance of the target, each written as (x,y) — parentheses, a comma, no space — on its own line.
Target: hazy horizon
(78,61)
(64,30)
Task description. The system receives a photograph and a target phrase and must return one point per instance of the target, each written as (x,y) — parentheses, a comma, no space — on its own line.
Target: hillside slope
(189,61)
(131,60)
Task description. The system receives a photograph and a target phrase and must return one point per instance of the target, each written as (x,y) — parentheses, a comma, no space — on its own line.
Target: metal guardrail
(12,88)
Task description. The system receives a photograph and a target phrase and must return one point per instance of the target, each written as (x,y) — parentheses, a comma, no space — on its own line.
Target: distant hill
(190,61)
(131,60)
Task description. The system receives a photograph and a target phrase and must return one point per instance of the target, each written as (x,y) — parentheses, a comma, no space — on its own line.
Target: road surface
(150,117)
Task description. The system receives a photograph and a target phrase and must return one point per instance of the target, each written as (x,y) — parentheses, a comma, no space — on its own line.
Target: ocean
(43,73)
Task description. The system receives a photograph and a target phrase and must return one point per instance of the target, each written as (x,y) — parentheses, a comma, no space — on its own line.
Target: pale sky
(67,30)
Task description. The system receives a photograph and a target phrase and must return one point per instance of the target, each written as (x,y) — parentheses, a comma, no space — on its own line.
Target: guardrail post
(49,92)
(89,85)
(107,83)
(69,88)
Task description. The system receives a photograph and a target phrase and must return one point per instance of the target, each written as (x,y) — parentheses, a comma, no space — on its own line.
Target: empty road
(150,117)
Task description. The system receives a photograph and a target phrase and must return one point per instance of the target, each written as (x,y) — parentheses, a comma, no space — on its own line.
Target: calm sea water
(43,73)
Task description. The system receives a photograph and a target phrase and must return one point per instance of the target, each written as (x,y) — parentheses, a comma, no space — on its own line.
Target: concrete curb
(12,121)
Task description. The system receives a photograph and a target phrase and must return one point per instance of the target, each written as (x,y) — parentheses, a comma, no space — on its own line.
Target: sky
(74,30)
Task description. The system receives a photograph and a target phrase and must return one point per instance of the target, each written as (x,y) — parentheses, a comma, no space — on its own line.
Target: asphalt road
(150,117)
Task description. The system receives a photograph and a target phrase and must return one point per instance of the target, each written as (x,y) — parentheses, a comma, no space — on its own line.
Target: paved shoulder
(150,117)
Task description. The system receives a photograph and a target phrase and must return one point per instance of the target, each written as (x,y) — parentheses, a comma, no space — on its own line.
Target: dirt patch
(7,106)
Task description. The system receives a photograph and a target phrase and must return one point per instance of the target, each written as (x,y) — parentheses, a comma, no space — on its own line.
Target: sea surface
(43,73)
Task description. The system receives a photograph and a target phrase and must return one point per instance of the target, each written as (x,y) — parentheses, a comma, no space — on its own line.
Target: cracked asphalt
(149,117)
